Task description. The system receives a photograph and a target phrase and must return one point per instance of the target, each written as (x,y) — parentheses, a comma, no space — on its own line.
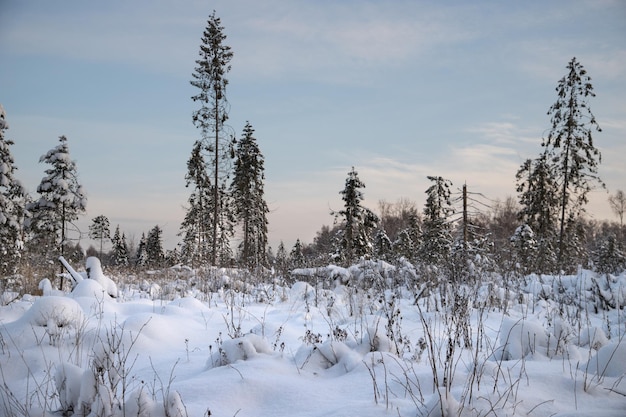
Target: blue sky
(398,89)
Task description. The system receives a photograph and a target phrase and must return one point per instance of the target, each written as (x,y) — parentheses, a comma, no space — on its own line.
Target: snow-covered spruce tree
(610,257)
(100,229)
(356,223)
(141,255)
(155,256)
(538,197)
(281,261)
(296,256)
(61,201)
(12,206)
(195,228)
(217,138)
(120,249)
(248,199)
(571,149)
(383,249)
(436,240)
(408,241)
(524,248)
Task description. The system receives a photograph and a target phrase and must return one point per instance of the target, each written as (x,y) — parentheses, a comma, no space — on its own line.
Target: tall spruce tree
(209,77)
(355,221)
(570,145)
(248,195)
(61,201)
(12,205)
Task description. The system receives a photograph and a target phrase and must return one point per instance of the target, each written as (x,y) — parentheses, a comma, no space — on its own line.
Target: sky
(399,90)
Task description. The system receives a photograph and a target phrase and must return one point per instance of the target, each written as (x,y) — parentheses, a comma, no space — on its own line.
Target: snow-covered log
(74,276)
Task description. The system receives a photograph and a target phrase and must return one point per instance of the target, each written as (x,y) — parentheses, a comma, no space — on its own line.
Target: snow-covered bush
(54,311)
(327,355)
(243,348)
(94,272)
(520,338)
(68,380)
(609,361)
(593,337)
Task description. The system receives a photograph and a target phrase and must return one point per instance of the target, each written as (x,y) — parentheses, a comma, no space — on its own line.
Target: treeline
(544,230)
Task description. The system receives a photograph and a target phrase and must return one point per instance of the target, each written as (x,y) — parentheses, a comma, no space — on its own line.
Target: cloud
(134,34)
(304,40)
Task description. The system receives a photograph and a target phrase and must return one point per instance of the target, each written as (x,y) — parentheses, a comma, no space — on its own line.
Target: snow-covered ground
(274,350)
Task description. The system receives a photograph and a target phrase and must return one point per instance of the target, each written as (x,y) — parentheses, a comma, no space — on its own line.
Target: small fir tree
(382,245)
(538,193)
(155,256)
(408,241)
(100,230)
(356,222)
(141,256)
(281,262)
(195,228)
(120,249)
(525,248)
(296,256)
(436,240)
(610,257)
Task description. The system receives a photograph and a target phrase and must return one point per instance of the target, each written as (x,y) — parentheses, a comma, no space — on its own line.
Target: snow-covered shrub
(94,272)
(141,404)
(54,310)
(520,338)
(327,355)
(376,339)
(174,406)
(68,380)
(609,361)
(90,289)
(241,348)
(594,337)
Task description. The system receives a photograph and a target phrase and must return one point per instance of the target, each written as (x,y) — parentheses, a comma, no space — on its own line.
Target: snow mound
(328,355)
(302,291)
(68,381)
(90,289)
(94,272)
(189,303)
(239,349)
(54,310)
(519,338)
(376,339)
(594,337)
(46,288)
(609,361)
